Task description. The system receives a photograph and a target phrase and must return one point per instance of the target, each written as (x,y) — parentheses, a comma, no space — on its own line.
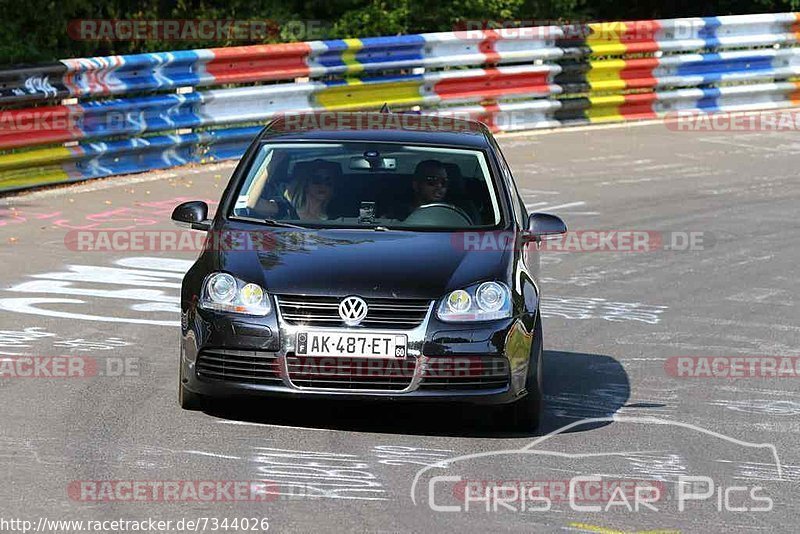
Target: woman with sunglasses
(312,190)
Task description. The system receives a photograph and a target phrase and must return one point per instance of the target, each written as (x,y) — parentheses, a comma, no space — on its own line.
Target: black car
(364,256)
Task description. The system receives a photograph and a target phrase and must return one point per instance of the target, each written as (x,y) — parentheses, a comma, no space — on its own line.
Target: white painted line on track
(727,142)
(568,205)
(213,455)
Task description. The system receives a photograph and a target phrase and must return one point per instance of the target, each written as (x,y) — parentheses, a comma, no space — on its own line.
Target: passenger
(308,193)
(312,190)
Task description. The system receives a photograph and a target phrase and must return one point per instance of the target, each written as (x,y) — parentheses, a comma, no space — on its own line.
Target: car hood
(367,263)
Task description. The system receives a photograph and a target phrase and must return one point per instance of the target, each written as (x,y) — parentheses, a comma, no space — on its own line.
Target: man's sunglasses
(436,180)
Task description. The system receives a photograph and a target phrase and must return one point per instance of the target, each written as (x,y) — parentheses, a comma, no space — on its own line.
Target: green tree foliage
(36,30)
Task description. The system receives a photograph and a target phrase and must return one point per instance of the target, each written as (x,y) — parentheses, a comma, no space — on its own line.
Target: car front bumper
(268,344)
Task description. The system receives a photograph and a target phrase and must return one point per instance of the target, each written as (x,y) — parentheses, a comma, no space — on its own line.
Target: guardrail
(91,117)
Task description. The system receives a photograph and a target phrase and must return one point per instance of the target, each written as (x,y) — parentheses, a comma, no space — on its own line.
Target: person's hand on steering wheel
(276,208)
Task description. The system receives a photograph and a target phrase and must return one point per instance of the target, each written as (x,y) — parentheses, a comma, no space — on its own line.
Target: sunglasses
(322,180)
(436,180)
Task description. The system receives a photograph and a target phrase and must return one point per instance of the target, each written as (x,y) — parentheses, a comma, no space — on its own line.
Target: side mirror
(544,226)
(192,214)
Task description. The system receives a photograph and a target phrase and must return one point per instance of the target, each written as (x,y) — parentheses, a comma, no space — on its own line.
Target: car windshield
(388,185)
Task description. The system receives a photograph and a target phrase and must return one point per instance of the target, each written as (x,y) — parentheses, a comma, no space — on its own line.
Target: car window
(370,184)
(518,204)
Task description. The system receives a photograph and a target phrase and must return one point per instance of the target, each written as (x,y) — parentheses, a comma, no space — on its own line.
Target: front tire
(523,415)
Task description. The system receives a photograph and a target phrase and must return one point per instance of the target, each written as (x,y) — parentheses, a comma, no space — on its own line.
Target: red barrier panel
(495,83)
(241,64)
(638,106)
(38,126)
(640,36)
(638,73)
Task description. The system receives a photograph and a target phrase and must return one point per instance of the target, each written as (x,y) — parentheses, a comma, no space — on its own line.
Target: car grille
(465,373)
(382,313)
(350,373)
(252,366)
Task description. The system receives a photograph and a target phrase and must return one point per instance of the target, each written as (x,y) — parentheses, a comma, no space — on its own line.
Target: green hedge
(36,30)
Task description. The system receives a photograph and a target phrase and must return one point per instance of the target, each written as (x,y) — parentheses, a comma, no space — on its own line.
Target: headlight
(459,301)
(223,292)
(482,302)
(491,296)
(222,288)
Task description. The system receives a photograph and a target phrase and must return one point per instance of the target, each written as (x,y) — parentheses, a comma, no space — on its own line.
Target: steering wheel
(284,209)
(442,205)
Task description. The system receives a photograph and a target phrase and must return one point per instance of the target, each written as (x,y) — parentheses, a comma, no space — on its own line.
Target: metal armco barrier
(132,113)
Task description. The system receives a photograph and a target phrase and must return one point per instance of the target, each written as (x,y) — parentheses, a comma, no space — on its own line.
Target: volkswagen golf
(368,256)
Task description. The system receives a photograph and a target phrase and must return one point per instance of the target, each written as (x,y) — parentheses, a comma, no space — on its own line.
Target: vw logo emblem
(352,310)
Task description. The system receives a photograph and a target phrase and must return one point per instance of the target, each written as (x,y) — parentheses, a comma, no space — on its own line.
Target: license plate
(349,344)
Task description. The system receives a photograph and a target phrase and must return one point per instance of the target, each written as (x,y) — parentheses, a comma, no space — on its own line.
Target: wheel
(523,415)
(426,214)
(285,209)
(275,207)
(188,400)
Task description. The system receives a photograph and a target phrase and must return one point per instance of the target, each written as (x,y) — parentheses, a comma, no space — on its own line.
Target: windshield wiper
(272,222)
(281,224)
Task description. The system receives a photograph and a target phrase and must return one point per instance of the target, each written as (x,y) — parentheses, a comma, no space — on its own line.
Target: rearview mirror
(545,226)
(373,164)
(193,214)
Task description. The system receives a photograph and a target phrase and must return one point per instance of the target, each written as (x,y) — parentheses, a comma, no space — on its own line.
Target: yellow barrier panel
(29,158)
(367,95)
(604,75)
(20,178)
(605,39)
(349,56)
(605,108)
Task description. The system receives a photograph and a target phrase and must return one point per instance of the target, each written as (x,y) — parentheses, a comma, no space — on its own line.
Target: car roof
(409,128)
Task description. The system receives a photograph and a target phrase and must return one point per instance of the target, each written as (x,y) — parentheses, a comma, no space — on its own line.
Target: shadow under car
(576,386)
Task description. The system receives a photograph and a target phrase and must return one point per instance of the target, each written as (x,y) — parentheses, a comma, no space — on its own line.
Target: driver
(429,186)
(429,183)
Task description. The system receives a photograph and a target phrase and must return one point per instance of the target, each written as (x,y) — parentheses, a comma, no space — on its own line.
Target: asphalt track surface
(612,321)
